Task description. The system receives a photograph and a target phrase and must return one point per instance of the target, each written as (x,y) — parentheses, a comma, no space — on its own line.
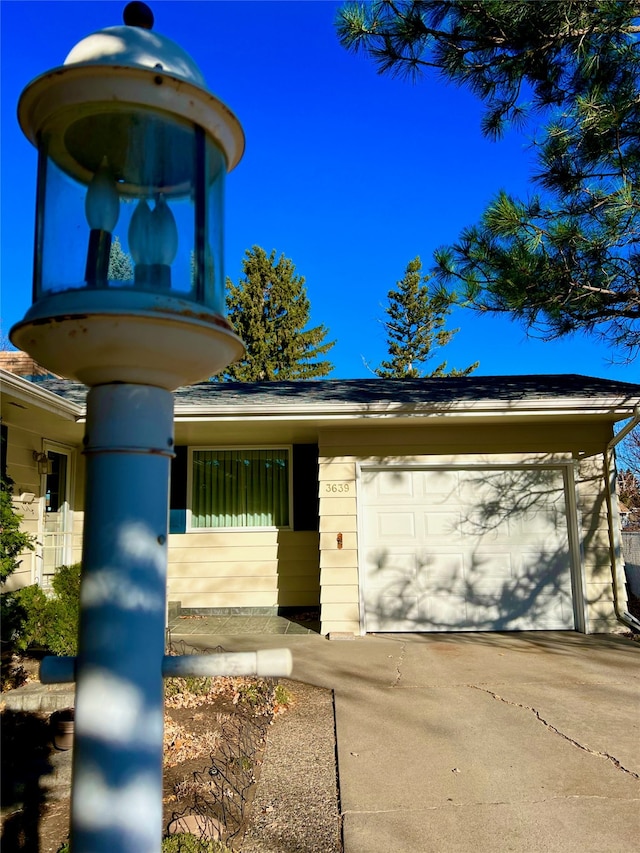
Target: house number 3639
(337,488)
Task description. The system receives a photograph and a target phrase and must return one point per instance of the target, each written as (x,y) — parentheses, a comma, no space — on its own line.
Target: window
(240,488)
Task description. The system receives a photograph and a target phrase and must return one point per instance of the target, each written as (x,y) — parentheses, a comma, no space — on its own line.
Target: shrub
(31,619)
(63,611)
(13,541)
(24,618)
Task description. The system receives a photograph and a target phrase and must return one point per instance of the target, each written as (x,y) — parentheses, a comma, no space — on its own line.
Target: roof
(18,362)
(387,396)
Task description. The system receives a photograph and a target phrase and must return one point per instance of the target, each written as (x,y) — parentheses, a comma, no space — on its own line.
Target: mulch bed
(236,764)
(214,744)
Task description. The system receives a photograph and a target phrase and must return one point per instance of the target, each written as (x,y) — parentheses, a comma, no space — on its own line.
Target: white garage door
(465,550)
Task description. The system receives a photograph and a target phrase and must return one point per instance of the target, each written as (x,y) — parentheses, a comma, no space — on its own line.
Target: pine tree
(567,258)
(416,327)
(269,309)
(120,263)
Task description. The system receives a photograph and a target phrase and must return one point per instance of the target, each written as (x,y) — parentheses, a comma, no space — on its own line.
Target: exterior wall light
(45,465)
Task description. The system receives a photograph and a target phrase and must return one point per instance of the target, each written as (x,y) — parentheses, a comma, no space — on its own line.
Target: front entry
(56,521)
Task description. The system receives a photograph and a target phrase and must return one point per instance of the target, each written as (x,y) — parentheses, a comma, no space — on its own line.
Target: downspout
(617,563)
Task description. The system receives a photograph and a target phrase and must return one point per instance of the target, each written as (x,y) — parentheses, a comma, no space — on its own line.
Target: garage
(479,548)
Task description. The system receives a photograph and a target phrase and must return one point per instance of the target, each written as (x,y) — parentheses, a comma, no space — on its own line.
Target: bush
(13,541)
(24,617)
(63,611)
(31,619)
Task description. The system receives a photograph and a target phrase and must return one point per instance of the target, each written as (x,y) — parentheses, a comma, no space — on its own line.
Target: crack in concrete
(616,763)
(452,804)
(403,651)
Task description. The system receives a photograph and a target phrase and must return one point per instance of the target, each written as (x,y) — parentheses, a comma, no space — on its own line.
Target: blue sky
(349,174)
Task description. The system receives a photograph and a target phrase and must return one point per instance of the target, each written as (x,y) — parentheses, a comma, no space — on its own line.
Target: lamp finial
(138,14)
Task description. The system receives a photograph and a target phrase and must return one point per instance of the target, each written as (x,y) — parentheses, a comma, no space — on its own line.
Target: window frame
(197,448)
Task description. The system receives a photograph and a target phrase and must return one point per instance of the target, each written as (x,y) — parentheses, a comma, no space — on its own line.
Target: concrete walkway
(524,742)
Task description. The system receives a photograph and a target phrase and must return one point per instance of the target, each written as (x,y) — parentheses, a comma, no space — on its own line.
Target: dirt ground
(215,746)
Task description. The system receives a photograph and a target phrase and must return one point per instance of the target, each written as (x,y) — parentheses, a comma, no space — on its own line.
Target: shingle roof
(366,392)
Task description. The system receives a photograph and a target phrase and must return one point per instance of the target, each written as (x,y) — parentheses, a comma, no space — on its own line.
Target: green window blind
(240,488)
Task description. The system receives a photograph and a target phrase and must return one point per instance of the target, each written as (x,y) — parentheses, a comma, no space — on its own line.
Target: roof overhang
(21,391)
(608,406)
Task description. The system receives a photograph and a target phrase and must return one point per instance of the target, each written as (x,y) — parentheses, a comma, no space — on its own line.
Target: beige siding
(596,545)
(20,464)
(375,443)
(339,577)
(23,470)
(76,542)
(244,569)
(338,566)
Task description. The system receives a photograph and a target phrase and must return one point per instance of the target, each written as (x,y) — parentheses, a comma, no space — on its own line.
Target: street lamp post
(131,145)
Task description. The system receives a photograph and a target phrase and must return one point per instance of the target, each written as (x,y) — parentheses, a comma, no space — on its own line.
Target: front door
(56,512)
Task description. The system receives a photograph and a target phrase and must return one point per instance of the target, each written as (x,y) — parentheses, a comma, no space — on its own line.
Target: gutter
(617,561)
(220,410)
(33,394)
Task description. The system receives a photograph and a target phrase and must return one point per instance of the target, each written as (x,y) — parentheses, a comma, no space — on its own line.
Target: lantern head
(133,151)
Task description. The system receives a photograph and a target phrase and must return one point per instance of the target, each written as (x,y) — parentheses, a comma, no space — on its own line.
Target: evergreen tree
(568,258)
(120,263)
(269,310)
(416,327)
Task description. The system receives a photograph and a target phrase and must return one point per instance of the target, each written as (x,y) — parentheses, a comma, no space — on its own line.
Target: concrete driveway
(520,742)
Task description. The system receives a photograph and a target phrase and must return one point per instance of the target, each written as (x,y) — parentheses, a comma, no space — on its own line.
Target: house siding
(271,568)
(597,548)
(339,577)
(342,450)
(22,468)
(23,471)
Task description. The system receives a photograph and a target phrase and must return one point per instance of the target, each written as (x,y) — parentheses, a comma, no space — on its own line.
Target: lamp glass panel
(140,156)
(214,290)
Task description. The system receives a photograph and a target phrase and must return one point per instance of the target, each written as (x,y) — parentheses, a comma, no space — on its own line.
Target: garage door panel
(396,525)
(438,487)
(543,521)
(395,484)
(398,604)
(443,524)
(444,568)
(467,550)
(545,569)
(483,529)
(385,566)
(444,612)
(416,572)
(485,568)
